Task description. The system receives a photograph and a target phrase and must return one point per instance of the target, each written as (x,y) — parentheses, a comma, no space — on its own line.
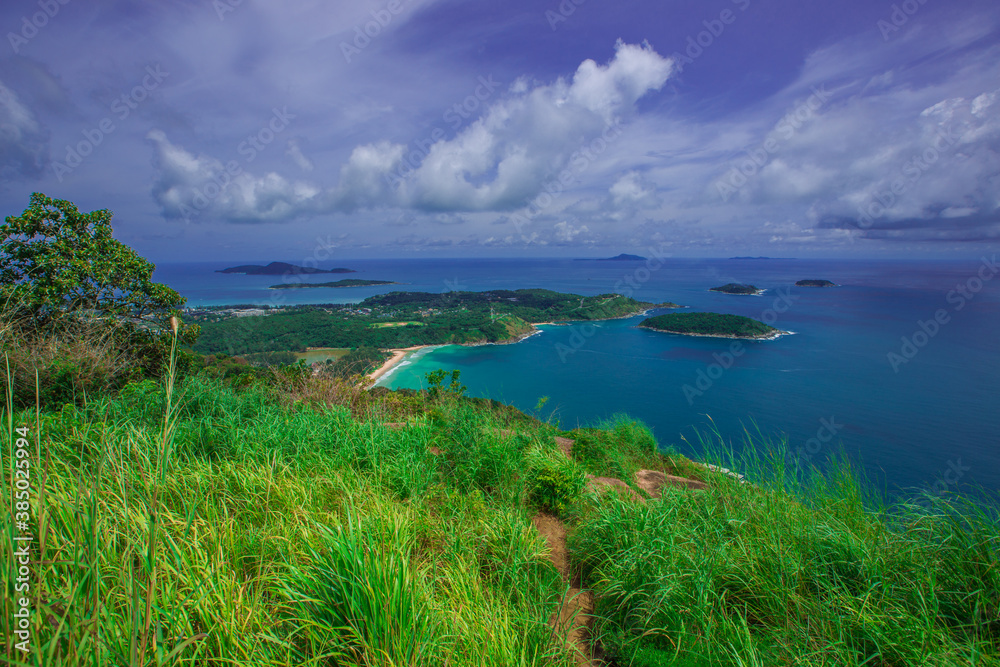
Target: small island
(279,269)
(815,283)
(736,288)
(715,325)
(617,258)
(347,282)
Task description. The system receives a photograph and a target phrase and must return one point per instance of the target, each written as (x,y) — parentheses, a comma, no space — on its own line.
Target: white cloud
(499,162)
(294,151)
(189,186)
(632,191)
(565,232)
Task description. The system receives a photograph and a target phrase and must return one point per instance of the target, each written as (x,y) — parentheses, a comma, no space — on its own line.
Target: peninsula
(279,269)
(815,283)
(347,282)
(712,324)
(736,288)
(398,320)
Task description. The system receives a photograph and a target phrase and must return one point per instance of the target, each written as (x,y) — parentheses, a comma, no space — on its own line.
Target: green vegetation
(77,307)
(454,317)
(793,569)
(815,283)
(272,359)
(359,362)
(285,524)
(736,288)
(710,324)
(247,529)
(347,282)
(57,261)
(211,512)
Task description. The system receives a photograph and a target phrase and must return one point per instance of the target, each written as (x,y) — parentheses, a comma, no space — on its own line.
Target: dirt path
(574,615)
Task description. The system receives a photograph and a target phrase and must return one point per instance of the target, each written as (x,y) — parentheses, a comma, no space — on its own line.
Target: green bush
(554,483)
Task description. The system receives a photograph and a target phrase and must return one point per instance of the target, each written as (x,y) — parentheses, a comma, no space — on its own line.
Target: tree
(436,387)
(55,261)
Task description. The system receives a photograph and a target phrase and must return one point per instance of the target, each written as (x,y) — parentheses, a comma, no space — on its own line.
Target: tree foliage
(709,324)
(56,260)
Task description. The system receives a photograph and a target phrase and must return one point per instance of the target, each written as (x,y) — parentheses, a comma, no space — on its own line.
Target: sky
(253,130)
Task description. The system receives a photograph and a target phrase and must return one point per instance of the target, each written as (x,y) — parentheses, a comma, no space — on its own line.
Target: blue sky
(244,129)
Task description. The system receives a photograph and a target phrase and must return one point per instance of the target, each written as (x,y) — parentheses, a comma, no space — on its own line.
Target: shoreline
(776,335)
(759,292)
(398,355)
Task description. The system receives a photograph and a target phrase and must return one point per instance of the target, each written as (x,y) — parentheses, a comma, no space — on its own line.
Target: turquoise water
(914,425)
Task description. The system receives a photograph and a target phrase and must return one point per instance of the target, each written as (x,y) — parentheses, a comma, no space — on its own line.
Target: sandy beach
(398,354)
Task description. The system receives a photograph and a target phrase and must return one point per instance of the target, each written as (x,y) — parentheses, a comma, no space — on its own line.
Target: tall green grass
(206,525)
(792,569)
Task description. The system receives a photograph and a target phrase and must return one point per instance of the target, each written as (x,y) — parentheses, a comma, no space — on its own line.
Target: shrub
(554,483)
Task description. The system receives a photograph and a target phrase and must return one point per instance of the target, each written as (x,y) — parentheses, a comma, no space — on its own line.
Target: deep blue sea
(927,417)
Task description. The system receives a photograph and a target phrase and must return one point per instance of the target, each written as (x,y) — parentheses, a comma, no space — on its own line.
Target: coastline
(759,292)
(776,335)
(398,354)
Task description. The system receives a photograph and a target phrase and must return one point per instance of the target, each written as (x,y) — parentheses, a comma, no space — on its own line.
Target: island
(715,325)
(736,288)
(815,283)
(279,269)
(617,258)
(348,282)
(398,320)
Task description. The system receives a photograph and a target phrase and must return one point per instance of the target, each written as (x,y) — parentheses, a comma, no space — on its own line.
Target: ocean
(898,366)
